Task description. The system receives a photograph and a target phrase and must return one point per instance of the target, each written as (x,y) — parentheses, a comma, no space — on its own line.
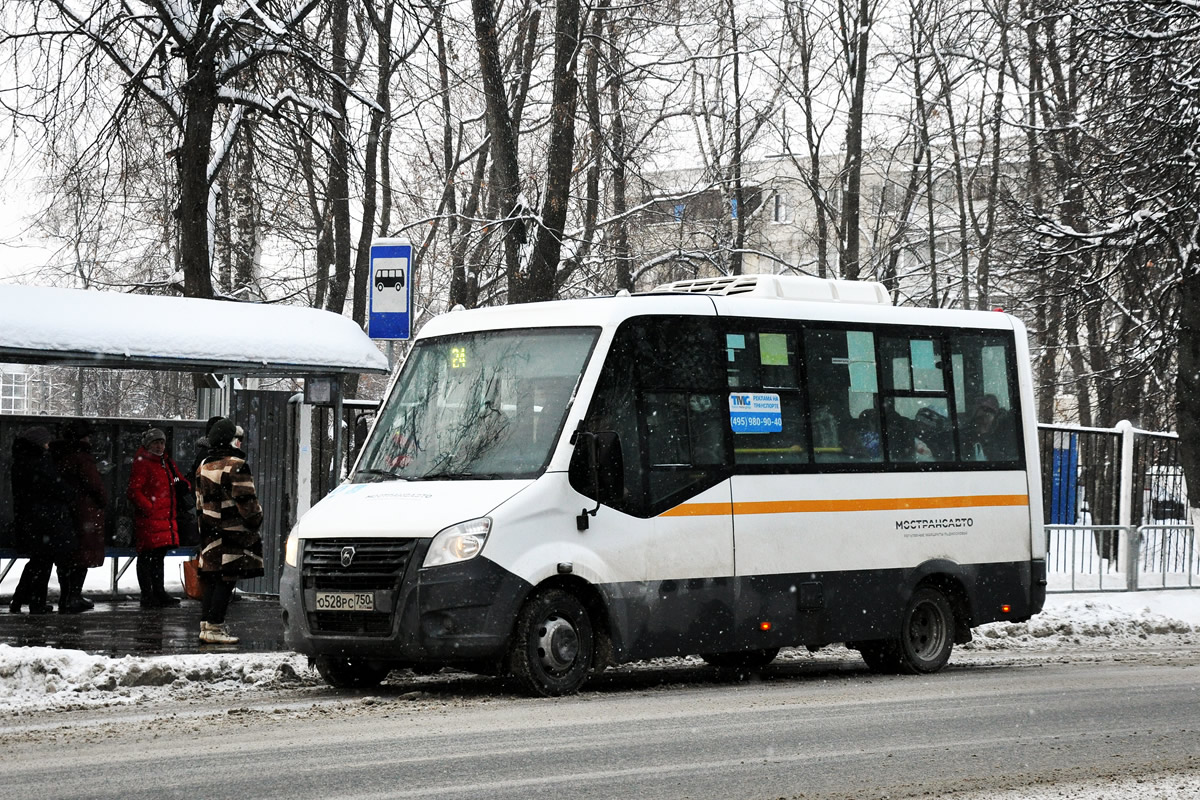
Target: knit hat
(36,435)
(153,435)
(223,432)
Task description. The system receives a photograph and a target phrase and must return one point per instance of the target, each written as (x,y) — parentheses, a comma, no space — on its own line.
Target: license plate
(345,601)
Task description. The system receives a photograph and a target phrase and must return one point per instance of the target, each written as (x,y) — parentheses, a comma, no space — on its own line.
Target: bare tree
(187,61)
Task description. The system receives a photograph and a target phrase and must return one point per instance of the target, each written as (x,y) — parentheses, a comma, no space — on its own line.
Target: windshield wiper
(382,474)
(460,476)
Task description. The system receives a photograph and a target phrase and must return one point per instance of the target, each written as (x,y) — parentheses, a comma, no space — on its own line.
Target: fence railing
(1100,558)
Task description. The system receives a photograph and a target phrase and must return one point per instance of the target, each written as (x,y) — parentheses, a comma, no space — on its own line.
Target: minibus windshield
(478,406)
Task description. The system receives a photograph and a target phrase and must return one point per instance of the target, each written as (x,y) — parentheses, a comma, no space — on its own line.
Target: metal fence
(1116,505)
(1162,557)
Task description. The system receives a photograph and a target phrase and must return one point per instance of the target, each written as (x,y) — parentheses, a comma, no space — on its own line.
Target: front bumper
(453,614)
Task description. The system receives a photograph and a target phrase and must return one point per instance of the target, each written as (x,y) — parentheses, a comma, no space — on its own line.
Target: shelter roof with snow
(73,327)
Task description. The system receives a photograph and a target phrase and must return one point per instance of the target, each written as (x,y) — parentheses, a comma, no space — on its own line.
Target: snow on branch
(272,105)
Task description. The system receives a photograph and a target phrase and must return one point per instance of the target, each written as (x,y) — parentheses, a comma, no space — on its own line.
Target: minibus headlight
(291,550)
(458,542)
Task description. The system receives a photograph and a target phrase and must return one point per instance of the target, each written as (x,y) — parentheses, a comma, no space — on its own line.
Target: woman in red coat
(152,491)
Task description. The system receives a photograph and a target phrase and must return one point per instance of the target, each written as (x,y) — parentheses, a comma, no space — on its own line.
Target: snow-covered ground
(47,679)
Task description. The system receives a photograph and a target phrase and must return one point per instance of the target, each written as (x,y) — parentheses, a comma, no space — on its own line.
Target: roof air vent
(785,287)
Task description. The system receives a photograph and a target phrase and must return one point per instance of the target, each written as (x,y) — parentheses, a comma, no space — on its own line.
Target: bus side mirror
(597,470)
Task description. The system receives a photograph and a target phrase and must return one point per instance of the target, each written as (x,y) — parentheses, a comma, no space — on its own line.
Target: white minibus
(719,467)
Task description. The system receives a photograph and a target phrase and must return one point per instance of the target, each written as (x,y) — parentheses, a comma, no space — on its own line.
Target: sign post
(391,289)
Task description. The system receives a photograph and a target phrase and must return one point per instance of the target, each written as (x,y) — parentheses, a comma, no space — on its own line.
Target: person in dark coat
(153,482)
(73,455)
(203,446)
(990,434)
(43,526)
(230,516)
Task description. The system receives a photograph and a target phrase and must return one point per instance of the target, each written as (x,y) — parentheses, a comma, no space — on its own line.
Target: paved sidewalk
(122,627)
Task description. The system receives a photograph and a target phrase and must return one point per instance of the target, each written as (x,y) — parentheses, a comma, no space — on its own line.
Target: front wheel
(351,673)
(552,645)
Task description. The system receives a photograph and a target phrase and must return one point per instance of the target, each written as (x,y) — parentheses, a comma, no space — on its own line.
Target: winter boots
(213,633)
(31,588)
(151,577)
(71,599)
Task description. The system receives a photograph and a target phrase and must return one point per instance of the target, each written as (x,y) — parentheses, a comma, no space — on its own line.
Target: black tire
(351,673)
(743,659)
(379,286)
(926,637)
(880,656)
(552,645)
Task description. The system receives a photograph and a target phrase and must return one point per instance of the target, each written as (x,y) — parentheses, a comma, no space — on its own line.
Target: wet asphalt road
(833,731)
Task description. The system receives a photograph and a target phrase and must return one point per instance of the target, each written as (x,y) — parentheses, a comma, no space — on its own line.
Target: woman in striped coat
(230,515)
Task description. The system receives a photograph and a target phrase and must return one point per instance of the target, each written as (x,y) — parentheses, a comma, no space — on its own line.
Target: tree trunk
(595,147)
(192,162)
(339,163)
(856,61)
(620,247)
(738,208)
(560,159)
(1187,383)
(503,138)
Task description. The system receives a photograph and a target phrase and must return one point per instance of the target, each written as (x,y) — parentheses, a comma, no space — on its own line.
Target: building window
(14,390)
(781,209)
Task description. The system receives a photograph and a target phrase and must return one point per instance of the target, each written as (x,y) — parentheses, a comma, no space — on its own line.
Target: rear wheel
(351,673)
(552,645)
(926,637)
(743,659)
(880,656)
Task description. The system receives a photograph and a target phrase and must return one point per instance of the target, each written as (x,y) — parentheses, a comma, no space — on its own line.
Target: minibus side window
(917,422)
(843,386)
(984,395)
(762,370)
(662,391)
(614,408)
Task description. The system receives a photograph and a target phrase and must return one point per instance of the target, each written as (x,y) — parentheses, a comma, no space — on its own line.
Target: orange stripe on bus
(864,504)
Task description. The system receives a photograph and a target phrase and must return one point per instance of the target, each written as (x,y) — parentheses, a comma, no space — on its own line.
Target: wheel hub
(926,632)
(557,644)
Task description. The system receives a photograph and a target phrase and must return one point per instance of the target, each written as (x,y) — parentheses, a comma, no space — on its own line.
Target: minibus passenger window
(843,386)
(766,411)
(988,423)
(916,405)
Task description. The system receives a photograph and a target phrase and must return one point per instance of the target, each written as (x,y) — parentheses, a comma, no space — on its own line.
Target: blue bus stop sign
(391,289)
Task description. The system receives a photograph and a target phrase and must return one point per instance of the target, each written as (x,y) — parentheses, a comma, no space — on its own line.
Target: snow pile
(48,678)
(1083,622)
(44,678)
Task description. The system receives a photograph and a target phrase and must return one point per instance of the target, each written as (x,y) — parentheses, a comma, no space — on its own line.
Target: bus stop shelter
(113,330)
(72,327)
